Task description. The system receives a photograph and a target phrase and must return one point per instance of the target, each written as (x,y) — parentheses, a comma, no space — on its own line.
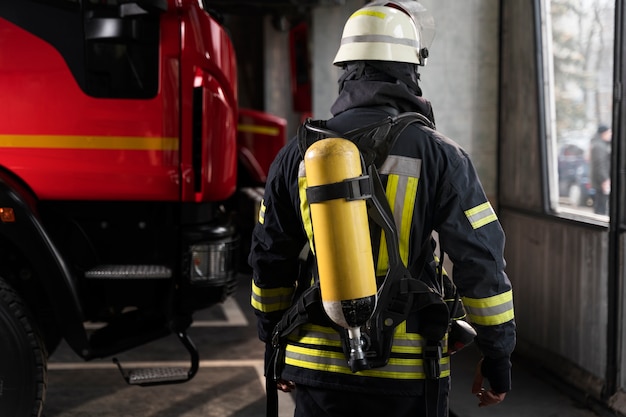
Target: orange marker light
(7,215)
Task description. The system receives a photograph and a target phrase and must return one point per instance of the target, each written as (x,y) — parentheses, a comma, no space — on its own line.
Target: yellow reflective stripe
(333,361)
(401,193)
(410,194)
(383,257)
(316,347)
(395,188)
(310,340)
(370,13)
(267,300)
(129,143)
(262,212)
(321,335)
(318,335)
(264,130)
(403,342)
(402,182)
(311,359)
(481,215)
(490,311)
(305,210)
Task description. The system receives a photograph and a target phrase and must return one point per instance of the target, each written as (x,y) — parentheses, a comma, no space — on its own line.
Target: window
(578,40)
(111,46)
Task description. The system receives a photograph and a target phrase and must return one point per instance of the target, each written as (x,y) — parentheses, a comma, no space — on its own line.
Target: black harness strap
(374,140)
(351,189)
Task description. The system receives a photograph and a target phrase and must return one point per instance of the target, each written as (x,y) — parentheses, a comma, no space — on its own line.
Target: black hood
(363,85)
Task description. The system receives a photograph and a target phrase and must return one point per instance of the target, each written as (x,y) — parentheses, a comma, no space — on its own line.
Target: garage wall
(461,77)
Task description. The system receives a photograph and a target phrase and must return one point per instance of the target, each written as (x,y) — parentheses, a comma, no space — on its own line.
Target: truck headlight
(213,263)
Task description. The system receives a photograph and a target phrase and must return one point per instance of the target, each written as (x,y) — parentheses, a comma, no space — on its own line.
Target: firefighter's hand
(485,397)
(285,386)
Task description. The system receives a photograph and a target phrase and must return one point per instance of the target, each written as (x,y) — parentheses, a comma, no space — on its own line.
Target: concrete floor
(532,394)
(230,380)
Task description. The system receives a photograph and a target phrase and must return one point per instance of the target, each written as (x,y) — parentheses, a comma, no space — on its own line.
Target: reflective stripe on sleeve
(262,212)
(481,215)
(268,300)
(490,311)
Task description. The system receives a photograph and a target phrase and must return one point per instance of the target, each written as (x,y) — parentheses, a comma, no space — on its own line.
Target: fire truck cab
(123,161)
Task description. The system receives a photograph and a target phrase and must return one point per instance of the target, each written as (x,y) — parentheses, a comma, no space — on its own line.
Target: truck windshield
(110,46)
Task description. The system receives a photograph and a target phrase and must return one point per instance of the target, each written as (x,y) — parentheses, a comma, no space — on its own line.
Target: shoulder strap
(311,131)
(374,140)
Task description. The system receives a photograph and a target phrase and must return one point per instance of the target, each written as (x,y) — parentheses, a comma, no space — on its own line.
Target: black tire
(23,359)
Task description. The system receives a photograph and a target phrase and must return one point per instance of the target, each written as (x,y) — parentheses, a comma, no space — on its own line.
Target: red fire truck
(123,161)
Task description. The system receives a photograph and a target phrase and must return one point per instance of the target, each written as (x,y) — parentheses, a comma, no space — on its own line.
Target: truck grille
(129,272)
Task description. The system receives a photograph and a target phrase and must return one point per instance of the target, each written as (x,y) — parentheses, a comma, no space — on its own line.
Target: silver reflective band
(401,165)
(380,38)
(490,311)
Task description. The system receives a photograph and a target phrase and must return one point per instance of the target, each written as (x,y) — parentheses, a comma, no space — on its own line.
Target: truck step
(161,376)
(129,272)
(155,375)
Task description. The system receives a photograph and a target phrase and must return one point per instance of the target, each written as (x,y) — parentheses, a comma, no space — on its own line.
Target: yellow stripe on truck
(137,143)
(263,130)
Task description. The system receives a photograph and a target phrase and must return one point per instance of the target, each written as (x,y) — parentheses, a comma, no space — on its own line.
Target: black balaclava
(381,83)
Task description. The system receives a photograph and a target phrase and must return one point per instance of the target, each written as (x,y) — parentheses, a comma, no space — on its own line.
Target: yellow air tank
(342,241)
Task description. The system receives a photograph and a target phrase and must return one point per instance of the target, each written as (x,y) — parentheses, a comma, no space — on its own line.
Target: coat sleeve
(470,233)
(277,241)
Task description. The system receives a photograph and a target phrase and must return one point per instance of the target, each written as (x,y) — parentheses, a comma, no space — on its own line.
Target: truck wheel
(23,371)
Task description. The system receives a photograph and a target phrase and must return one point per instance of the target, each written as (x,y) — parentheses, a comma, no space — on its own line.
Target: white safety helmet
(387,31)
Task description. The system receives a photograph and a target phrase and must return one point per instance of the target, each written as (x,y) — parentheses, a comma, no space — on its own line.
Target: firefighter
(432,186)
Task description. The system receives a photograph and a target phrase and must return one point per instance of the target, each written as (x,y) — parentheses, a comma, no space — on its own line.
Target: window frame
(548,117)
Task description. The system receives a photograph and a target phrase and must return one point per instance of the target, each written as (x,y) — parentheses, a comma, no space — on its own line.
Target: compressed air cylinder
(341,236)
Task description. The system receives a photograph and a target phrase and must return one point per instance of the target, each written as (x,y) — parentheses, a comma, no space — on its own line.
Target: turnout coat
(431,185)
